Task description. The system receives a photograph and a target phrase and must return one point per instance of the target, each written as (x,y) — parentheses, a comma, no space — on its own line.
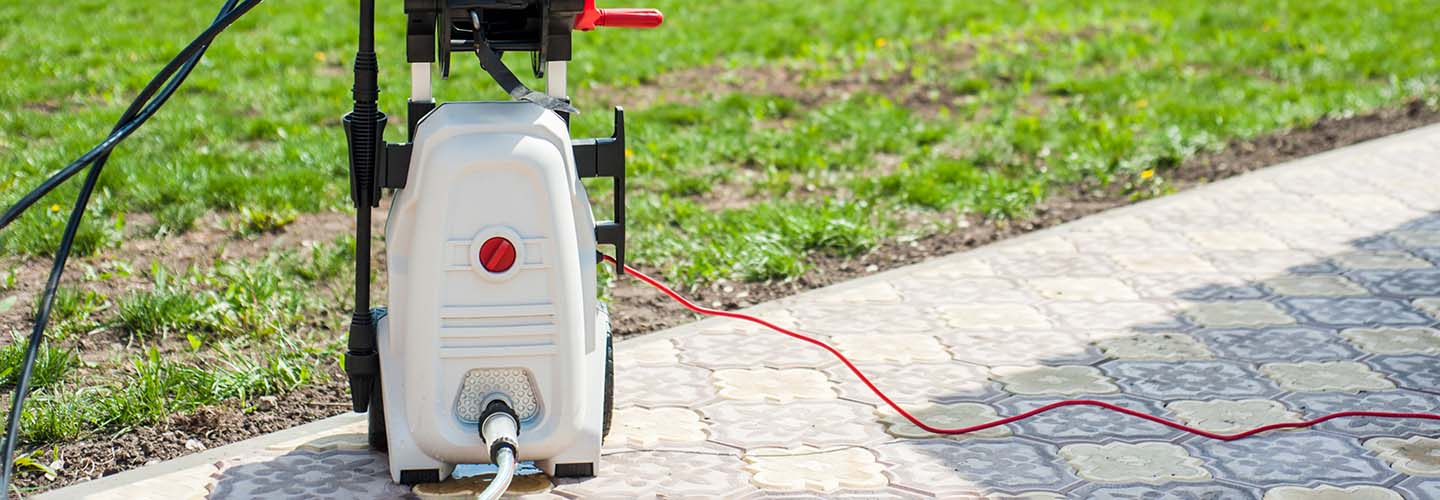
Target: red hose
(998,422)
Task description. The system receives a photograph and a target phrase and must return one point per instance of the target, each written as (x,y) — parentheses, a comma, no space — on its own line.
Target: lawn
(765,135)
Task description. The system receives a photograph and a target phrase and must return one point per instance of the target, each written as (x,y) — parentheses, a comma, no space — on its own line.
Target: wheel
(602,323)
(379,440)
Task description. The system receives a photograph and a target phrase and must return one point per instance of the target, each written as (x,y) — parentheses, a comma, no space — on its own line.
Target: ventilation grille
(514,384)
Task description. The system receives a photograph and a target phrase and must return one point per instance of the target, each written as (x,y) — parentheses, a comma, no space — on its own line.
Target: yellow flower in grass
(1147,173)
(880,43)
(54,208)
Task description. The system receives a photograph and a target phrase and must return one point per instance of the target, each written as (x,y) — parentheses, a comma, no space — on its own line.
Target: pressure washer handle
(591,17)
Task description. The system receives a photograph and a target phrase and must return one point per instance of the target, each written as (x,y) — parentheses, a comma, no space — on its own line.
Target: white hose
(500,427)
(505,460)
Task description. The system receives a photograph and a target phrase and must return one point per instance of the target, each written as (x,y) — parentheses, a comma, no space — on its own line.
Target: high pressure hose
(145,105)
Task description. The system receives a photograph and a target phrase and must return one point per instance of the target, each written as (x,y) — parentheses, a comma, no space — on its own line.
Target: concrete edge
(132,476)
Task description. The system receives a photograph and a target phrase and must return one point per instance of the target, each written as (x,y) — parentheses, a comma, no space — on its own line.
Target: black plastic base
(575,470)
(412,477)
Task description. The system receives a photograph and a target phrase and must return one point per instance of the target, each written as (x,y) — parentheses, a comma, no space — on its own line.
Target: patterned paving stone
(1075,424)
(1154,346)
(867,294)
(806,468)
(1420,487)
(683,385)
(1395,340)
(900,348)
(657,353)
(942,415)
(1416,456)
(1178,491)
(1410,282)
(1326,376)
(1430,305)
(1193,287)
(1113,242)
(1381,259)
(1039,265)
(1019,348)
(1227,417)
(1087,289)
(1291,457)
(642,474)
(965,290)
(994,317)
(945,468)
(1277,344)
(1152,463)
(815,423)
(1053,380)
(1326,492)
(1235,240)
(1163,263)
(647,427)
(1411,371)
(1316,285)
(748,350)
(1189,379)
(942,382)
(304,474)
(1110,315)
(1237,313)
(1314,404)
(768,384)
(1259,264)
(1356,311)
(836,321)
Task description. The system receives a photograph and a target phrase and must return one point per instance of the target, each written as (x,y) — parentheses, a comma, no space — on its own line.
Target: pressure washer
(494,348)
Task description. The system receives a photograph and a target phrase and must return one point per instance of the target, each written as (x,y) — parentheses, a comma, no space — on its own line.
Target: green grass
(1031,98)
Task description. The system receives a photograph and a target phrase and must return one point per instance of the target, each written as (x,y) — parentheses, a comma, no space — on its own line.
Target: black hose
(126,127)
(141,109)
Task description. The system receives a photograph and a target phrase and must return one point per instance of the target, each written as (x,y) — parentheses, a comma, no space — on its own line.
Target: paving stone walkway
(1301,289)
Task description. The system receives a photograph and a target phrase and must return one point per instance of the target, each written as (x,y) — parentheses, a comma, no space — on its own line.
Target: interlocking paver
(1295,291)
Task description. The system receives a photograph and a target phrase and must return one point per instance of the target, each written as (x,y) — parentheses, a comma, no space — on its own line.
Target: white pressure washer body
(513,321)
(494,347)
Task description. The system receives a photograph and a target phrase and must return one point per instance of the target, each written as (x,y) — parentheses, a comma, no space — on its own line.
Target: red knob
(591,17)
(497,255)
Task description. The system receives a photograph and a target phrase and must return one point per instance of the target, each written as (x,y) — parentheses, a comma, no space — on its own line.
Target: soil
(207,427)
(636,309)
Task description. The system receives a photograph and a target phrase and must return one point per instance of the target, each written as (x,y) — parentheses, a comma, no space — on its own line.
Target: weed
(52,364)
(253,221)
(157,313)
(59,415)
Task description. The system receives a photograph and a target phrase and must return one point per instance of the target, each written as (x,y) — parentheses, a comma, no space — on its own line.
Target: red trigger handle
(591,17)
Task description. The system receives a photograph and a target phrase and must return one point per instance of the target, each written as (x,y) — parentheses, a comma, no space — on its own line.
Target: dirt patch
(206,428)
(639,309)
(209,241)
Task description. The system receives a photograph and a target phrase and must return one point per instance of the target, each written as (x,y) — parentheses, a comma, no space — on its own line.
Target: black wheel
(379,441)
(602,320)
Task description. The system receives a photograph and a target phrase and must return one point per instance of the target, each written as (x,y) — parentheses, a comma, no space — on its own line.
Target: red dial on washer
(497,254)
